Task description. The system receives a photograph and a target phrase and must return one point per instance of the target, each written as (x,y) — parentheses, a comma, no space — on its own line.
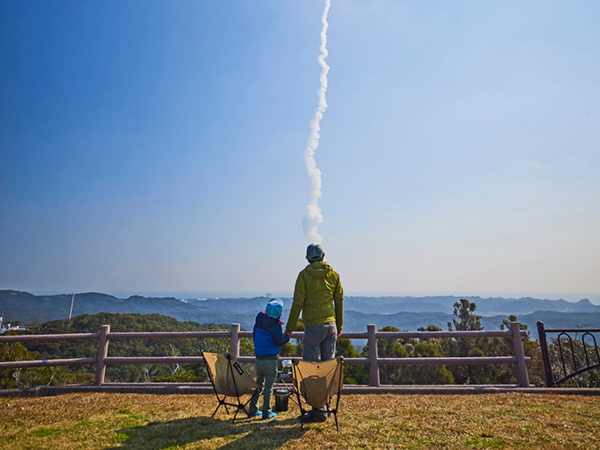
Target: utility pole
(71,311)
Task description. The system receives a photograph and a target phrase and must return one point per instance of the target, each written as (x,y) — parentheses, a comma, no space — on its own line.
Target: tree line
(464,319)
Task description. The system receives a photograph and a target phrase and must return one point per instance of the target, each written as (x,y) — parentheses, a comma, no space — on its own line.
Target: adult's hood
(319,269)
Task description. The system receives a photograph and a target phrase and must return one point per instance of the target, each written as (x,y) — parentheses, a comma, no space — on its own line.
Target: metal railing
(573,362)
(104,336)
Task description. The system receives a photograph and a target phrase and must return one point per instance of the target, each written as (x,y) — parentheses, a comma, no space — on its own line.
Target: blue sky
(159,146)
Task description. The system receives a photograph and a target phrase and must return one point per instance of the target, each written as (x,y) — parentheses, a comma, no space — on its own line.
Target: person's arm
(279,337)
(297,304)
(338,299)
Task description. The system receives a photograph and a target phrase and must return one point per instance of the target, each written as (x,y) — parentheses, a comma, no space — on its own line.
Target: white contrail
(313,217)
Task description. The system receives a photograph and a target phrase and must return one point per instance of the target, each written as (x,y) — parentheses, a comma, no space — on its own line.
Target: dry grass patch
(130,421)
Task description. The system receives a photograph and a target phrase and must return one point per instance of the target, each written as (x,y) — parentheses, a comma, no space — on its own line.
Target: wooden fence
(104,336)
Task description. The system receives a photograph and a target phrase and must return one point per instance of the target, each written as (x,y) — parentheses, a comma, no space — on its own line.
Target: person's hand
(289,333)
(339,333)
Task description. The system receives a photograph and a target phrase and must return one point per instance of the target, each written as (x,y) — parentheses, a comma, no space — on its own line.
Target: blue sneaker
(254,414)
(269,416)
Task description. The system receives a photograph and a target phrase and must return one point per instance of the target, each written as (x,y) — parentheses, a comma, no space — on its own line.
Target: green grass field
(130,421)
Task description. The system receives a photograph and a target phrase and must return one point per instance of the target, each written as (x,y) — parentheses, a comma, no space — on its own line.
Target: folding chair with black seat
(228,379)
(317,383)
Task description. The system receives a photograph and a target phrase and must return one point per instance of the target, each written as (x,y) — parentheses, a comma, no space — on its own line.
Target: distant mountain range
(405,313)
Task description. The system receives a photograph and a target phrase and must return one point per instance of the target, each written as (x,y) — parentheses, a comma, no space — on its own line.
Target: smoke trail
(313,217)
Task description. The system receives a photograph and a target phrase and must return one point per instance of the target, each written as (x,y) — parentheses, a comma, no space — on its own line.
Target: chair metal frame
(222,401)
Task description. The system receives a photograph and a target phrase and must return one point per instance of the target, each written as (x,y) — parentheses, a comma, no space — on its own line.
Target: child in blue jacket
(268,338)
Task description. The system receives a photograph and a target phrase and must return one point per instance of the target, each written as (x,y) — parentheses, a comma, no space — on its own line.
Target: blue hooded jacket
(268,334)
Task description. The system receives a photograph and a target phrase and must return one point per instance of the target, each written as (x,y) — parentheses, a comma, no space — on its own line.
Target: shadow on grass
(244,433)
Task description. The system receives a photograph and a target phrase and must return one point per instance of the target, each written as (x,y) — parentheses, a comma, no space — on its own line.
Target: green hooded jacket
(319,295)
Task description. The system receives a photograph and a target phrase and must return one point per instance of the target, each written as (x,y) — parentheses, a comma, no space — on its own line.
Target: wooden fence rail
(102,360)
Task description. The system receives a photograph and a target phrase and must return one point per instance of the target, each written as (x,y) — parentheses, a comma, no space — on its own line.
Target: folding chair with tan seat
(317,383)
(228,379)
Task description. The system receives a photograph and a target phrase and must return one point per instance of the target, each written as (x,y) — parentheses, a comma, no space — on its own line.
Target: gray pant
(320,339)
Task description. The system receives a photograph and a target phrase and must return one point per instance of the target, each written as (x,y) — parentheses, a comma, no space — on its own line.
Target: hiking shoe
(314,417)
(309,417)
(320,416)
(254,414)
(271,415)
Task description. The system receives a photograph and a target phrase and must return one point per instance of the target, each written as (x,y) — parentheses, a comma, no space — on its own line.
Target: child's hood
(265,322)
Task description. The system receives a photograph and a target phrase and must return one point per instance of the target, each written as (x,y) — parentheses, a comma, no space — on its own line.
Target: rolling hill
(406,313)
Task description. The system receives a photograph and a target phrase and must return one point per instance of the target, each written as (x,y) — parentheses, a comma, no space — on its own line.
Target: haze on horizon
(158,146)
(593,297)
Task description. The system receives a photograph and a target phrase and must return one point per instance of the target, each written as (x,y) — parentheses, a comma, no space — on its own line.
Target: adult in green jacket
(318,294)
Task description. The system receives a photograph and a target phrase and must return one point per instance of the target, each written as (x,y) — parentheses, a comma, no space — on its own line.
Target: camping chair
(317,383)
(229,380)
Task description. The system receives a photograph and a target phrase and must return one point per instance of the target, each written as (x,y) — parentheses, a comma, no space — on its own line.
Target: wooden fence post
(234,349)
(102,354)
(522,375)
(373,364)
